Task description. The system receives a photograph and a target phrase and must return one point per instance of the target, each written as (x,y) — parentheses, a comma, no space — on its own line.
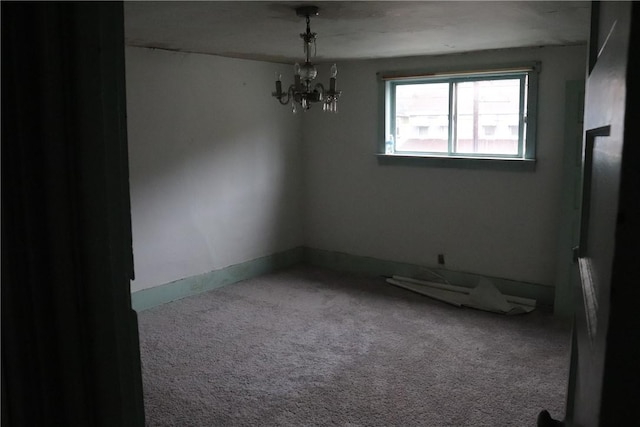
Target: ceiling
(269,31)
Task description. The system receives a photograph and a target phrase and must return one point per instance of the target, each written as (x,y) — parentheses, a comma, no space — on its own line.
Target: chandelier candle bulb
(278,85)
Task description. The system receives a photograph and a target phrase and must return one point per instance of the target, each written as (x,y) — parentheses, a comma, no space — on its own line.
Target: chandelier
(301,93)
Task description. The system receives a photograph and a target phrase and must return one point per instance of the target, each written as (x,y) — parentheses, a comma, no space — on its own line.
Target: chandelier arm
(320,89)
(284,100)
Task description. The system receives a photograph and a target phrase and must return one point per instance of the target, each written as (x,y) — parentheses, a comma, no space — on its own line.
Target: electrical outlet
(441,259)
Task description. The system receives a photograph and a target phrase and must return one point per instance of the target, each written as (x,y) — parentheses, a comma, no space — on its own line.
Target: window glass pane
(488,117)
(422,118)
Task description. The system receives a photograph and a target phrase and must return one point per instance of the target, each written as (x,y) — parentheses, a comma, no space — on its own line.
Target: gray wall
(221,174)
(496,223)
(215,164)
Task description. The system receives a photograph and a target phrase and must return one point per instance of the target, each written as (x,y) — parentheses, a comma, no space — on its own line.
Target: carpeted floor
(308,346)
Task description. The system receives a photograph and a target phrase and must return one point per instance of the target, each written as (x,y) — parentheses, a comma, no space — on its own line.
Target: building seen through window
(485,117)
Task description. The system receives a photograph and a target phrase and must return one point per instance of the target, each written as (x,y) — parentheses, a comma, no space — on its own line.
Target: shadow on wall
(214,169)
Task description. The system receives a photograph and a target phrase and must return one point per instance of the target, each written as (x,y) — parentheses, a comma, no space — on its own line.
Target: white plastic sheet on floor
(485,296)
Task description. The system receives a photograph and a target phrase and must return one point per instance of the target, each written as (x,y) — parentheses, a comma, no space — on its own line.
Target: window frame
(525,159)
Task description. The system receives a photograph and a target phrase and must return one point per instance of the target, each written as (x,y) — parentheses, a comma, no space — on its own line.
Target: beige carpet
(308,346)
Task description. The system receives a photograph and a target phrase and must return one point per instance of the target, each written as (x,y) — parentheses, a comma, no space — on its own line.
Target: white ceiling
(266,30)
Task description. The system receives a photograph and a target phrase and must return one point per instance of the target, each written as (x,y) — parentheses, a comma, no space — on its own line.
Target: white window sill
(491,163)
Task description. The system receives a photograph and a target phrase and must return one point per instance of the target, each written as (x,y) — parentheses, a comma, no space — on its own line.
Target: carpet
(308,346)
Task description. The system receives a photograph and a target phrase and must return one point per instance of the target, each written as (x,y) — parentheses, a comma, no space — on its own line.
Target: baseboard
(544,295)
(151,297)
(339,261)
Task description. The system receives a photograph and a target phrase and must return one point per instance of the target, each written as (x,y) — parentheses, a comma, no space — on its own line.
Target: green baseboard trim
(158,295)
(339,261)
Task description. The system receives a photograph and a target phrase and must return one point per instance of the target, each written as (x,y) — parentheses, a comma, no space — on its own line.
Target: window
(486,115)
